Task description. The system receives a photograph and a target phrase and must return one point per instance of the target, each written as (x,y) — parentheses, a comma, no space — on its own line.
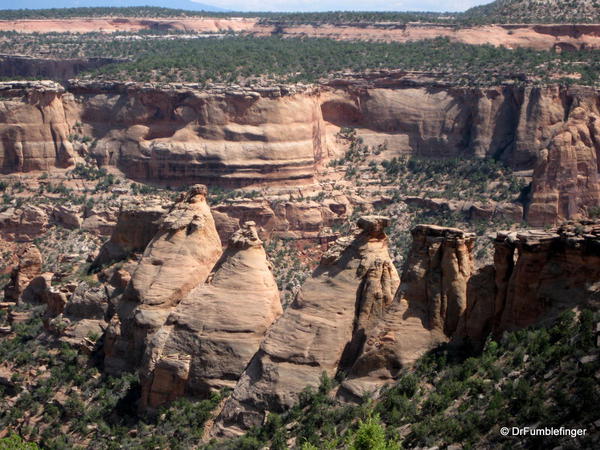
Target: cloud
(348,5)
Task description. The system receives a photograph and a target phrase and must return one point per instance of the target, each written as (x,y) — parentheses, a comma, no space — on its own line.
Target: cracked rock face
(565,181)
(426,311)
(209,338)
(554,270)
(320,332)
(178,258)
(30,266)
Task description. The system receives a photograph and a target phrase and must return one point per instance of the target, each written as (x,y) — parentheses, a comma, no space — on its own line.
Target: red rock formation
(427,309)
(179,257)
(33,128)
(241,136)
(554,271)
(212,334)
(29,267)
(566,183)
(321,331)
(137,224)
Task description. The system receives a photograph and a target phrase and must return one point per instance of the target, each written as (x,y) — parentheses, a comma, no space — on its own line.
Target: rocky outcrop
(29,267)
(536,275)
(209,338)
(34,127)
(427,310)
(18,66)
(566,183)
(23,224)
(232,137)
(554,271)
(292,219)
(137,223)
(178,258)
(321,331)
(235,136)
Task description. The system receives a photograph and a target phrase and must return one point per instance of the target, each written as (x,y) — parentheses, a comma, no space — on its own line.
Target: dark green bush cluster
(456,395)
(461,178)
(88,172)
(94,407)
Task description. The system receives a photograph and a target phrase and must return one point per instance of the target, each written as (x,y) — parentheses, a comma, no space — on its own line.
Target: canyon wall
(192,319)
(540,37)
(232,136)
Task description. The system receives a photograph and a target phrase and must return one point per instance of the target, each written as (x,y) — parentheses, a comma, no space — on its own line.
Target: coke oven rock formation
(215,330)
(321,331)
(179,257)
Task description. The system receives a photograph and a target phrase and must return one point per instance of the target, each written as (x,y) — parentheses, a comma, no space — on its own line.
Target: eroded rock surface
(178,258)
(426,311)
(29,267)
(137,223)
(212,334)
(566,183)
(321,331)
(236,136)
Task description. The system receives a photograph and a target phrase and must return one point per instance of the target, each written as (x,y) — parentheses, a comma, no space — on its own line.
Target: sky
(348,5)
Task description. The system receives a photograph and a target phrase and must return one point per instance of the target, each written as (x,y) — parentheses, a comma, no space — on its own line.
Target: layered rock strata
(566,183)
(321,331)
(209,338)
(234,136)
(177,259)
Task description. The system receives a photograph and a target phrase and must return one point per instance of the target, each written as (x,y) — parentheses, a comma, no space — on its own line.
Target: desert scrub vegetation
(501,11)
(59,399)
(455,394)
(242,59)
(534,11)
(452,178)
(234,59)
(289,270)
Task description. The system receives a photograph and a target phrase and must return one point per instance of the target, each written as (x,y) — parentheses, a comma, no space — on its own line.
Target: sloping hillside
(536,11)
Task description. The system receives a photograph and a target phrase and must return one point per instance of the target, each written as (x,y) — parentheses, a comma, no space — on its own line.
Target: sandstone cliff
(536,275)
(537,36)
(566,183)
(33,127)
(234,136)
(212,334)
(178,258)
(428,307)
(321,331)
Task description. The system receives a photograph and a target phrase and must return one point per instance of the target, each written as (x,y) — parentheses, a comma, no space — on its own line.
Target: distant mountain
(537,11)
(172,4)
